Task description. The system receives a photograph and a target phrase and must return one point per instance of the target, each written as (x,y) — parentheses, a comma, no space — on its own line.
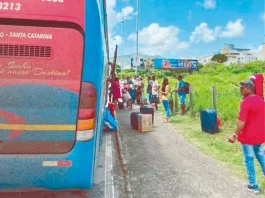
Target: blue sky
(186,28)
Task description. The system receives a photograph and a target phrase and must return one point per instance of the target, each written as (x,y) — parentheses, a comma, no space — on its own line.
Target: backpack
(187,88)
(258,80)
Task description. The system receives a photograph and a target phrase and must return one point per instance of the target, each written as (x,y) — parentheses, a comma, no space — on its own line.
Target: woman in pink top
(116,90)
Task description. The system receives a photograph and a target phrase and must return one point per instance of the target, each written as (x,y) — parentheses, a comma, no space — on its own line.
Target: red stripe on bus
(64,163)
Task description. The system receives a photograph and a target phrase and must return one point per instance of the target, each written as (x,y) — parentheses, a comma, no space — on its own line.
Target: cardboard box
(145,122)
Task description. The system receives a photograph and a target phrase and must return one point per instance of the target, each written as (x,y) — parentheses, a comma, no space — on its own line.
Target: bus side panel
(93,67)
(20,172)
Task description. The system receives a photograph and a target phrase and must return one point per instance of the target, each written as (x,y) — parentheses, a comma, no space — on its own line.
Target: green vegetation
(228,99)
(213,74)
(118,69)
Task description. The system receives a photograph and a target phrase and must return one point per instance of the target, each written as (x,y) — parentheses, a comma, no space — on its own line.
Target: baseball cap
(247,84)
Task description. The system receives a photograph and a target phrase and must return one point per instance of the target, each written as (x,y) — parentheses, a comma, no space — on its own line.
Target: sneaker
(254,189)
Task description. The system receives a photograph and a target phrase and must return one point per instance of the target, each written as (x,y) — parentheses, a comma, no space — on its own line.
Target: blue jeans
(132,94)
(150,97)
(167,107)
(182,99)
(250,151)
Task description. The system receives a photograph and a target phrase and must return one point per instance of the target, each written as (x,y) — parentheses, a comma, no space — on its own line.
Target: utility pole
(263,17)
(113,70)
(122,44)
(137,27)
(122,37)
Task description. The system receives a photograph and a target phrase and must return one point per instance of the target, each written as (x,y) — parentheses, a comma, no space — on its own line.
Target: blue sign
(175,64)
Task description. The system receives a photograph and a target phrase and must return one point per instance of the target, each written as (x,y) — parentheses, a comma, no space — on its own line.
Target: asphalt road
(163,164)
(98,190)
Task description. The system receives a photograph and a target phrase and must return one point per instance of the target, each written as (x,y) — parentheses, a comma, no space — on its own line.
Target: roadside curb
(123,164)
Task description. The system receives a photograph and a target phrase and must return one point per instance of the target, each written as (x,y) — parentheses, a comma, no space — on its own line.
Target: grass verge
(216,146)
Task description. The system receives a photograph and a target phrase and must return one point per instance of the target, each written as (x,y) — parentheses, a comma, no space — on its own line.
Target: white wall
(261,53)
(239,57)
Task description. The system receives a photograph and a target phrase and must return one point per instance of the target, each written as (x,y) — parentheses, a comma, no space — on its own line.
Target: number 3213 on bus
(10,6)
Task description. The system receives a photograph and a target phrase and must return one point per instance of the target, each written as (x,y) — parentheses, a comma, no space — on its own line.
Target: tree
(221,58)
(200,66)
(118,69)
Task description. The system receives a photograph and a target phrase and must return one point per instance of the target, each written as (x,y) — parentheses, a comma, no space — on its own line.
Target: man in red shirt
(250,131)
(258,79)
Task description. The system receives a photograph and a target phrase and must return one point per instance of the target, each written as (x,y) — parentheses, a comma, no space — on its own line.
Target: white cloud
(233,29)
(125,14)
(115,18)
(207,35)
(116,40)
(155,40)
(204,33)
(207,4)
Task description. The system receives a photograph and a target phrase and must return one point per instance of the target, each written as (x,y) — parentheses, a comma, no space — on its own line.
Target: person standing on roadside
(250,132)
(155,90)
(131,89)
(149,89)
(134,80)
(127,97)
(140,90)
(182,94)
(116,89)
(165,91)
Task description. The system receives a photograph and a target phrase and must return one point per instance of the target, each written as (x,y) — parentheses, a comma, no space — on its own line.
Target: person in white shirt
(134,80)
(155,91)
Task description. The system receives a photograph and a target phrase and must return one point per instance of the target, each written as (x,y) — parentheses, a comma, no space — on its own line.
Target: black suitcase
(134,120)
(147,110)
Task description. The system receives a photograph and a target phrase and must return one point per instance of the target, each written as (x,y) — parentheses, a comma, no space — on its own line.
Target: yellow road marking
(29,127)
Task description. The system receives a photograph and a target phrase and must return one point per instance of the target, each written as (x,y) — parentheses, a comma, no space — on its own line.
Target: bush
(200,66)
(256,66)
(128,70)
(207,70)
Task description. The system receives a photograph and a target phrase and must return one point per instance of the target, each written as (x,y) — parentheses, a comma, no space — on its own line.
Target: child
(127,97)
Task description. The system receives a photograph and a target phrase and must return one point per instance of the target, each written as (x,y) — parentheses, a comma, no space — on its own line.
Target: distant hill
(125,61)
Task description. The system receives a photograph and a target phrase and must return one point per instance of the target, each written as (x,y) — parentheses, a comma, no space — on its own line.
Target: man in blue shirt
(149,89)
(182,94)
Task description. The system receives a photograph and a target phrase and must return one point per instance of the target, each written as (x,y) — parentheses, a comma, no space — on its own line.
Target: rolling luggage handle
(214,98)
(149,109)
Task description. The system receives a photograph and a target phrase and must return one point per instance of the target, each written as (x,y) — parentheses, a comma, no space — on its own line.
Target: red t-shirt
(259,85)
(252,111)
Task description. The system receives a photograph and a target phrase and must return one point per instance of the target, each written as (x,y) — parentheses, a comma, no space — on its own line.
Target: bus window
(40,73)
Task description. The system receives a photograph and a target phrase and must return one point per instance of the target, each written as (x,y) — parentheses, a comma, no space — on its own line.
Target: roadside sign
(136,61)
